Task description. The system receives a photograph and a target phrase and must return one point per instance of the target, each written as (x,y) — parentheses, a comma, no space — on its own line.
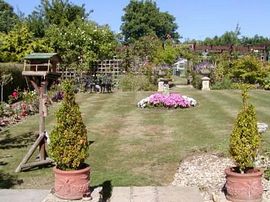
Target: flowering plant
(14,97)
(172,100)
(30,96)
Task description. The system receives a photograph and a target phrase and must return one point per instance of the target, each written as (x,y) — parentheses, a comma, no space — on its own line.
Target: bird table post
(42,115)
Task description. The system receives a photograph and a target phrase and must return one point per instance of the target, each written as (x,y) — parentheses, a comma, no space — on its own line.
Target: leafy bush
(32,100)
(69,145)
(248,69)
(266,83)
(196,80)
(225,83)
(245,138)
(131,82)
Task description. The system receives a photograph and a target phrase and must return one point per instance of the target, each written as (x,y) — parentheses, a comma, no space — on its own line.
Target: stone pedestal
(205,83)
(166,89)
(161,86)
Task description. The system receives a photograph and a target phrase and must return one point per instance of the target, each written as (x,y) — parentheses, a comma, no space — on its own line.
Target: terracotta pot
(72,184)
(245,187)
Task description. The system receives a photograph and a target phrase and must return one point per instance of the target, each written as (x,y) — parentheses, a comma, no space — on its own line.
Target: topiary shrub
(69,146)
(245,139)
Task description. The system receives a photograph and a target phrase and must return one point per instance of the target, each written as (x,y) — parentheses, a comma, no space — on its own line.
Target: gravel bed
(206,171)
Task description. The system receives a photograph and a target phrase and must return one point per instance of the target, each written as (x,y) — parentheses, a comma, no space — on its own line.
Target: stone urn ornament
(69,148)
(244,182)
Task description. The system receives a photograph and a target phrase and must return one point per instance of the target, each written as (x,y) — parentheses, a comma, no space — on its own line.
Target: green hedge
(18,81)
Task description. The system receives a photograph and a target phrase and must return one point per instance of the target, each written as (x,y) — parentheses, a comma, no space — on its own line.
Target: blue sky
(196,19)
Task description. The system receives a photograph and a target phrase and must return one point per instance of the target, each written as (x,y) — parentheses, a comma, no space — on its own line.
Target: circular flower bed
(172,100)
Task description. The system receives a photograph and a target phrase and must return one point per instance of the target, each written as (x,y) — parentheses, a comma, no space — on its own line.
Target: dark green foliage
(196,81)
(61,12)
(18,81)
(143,18)
(56,12)
(69,145)
(8,17)
(245,139)
(36,24)
(232,38)
(255,40)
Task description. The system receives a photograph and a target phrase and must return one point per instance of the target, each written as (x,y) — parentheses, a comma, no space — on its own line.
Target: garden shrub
(69,146)
(131,82)
(266,83)
(248,69)
(245,138)
(196,81)
(18,81)
(225,83)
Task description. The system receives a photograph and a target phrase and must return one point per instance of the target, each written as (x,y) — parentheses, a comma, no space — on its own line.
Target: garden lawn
(132,146)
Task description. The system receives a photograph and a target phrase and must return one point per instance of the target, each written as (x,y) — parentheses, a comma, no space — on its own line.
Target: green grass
(134,146)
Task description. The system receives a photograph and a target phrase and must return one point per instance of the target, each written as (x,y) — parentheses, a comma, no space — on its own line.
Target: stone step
(140,194)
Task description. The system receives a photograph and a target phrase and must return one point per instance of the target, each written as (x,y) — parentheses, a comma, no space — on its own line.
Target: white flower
(143,103)
(191,100)
(262,127)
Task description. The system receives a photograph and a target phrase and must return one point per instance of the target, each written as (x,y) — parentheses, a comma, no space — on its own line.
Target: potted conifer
(69,148)
(243,182)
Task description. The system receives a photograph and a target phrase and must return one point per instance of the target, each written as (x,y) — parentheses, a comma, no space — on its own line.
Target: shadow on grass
(7,181)
(38,167)
(2,163)
(91,142)
(106,191)
(8,142)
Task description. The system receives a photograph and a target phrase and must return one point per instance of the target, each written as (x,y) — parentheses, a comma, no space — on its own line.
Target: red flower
(15,94)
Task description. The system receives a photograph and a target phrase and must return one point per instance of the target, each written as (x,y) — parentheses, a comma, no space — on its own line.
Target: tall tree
(255,40)
(228,38)
(8,17)
(54,12)
(36,23)
(81,42)
(61,11)
(143,18)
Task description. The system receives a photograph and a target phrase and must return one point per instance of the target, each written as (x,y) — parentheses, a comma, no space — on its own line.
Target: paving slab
(179,194)
(148,194)
(23,195)
(121,194)
(140,194)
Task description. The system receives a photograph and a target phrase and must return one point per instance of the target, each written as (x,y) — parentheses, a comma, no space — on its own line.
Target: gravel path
(206,171)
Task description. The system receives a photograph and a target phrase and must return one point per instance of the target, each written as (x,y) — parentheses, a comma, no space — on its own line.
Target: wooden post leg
(42,152)
(41,140)
(30,152)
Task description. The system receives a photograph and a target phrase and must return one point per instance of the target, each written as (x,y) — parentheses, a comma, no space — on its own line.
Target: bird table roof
(41,56)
